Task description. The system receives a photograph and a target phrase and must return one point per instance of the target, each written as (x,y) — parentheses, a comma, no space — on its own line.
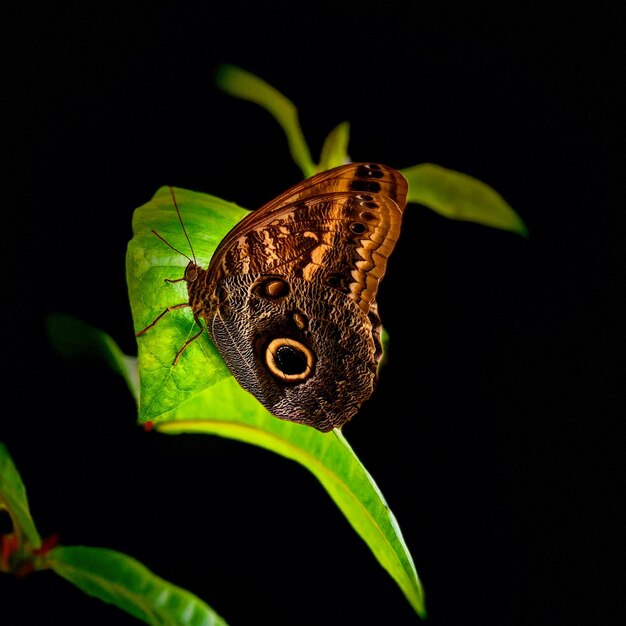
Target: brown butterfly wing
(289,295)
(336,228)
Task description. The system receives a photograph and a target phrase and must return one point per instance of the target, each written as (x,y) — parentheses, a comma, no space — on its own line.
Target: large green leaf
(13,499)
(461,197)
(121,580)
(199,395)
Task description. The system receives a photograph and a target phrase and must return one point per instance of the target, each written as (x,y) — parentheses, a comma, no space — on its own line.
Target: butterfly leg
(189,340)
(169,308)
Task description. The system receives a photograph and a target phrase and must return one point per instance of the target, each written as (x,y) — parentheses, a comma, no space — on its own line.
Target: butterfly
(289,296)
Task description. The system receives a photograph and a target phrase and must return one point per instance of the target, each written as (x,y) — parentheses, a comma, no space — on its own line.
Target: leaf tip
(521,229)
(225,74)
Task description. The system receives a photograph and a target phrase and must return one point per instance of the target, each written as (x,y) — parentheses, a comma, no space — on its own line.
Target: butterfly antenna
(169,245)
(180,219)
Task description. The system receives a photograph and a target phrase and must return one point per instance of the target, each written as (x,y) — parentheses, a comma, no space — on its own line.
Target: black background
(493,433)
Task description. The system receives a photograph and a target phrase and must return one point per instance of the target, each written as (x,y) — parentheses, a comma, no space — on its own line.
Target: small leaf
(461,197)
(335,148)
(121,580)
(229,411)
(13,499)
(149,261)
(75,339)
(242,84)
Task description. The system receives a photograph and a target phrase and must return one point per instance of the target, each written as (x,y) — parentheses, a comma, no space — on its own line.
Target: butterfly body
(289,297)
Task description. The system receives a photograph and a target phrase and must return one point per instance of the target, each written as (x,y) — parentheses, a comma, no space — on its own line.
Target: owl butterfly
(289,297)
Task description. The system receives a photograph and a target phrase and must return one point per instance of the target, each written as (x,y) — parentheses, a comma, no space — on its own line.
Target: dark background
(493,433)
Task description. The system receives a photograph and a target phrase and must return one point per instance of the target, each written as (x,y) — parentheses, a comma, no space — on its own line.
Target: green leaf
(121,580)
(199,394)
(149,261)
(228,411)
(461,197)
(335,148)
(242,84)
(77,340)
(13,499)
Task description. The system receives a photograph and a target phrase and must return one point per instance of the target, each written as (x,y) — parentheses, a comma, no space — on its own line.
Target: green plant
(199,395)
(106,574)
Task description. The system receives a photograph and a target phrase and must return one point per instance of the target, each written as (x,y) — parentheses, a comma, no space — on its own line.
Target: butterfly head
(192,271)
